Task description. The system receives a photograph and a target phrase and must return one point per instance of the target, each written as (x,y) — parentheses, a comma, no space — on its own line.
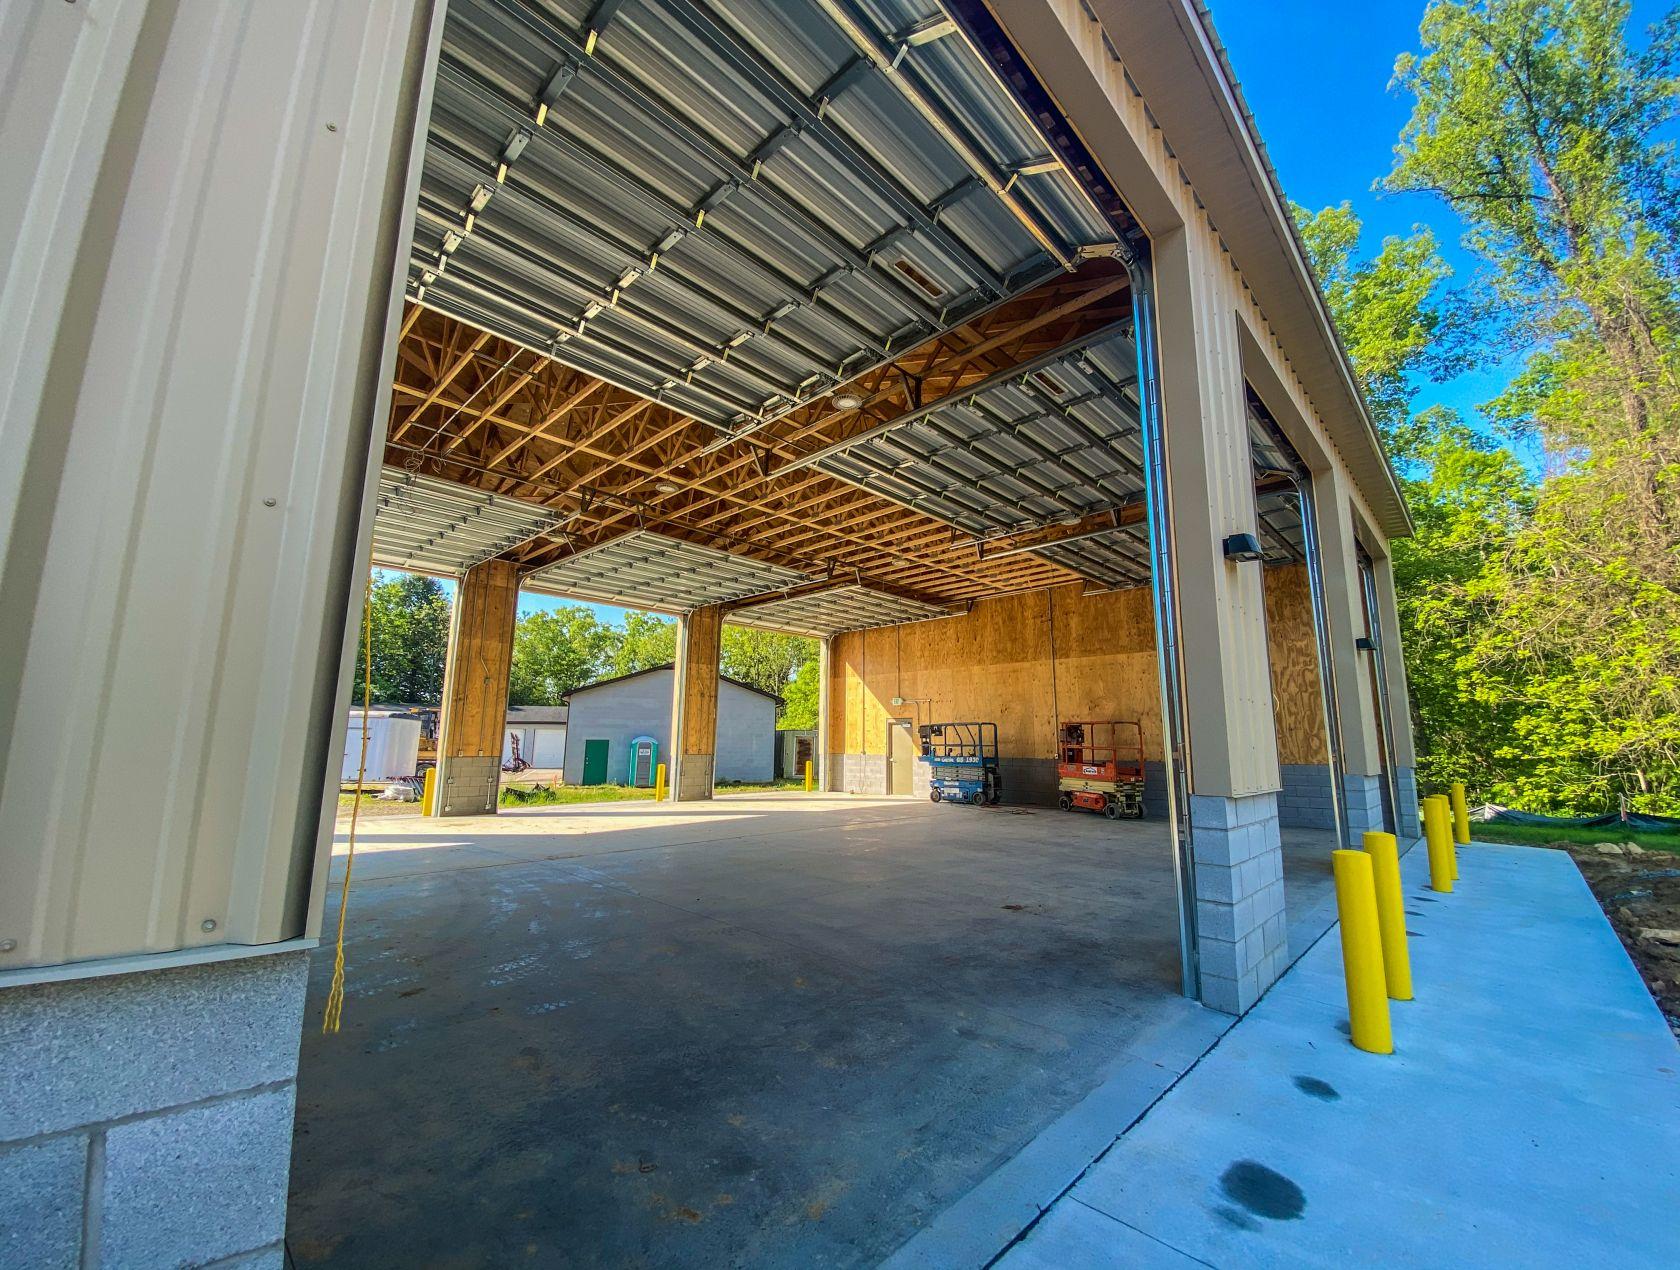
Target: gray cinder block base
(694,778)
(1241,933)
(1026,781)
(863,773)
(1306,798)
(1407,812)
(1363,796)
(470,786)
(146,1119)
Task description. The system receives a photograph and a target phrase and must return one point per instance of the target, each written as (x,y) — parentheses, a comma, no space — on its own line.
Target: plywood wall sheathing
(1296,697)
(1028,662)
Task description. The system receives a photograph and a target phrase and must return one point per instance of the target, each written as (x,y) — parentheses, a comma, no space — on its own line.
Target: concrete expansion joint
(242,1259)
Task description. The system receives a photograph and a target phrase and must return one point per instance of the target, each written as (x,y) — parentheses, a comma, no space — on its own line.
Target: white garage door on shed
(548,747)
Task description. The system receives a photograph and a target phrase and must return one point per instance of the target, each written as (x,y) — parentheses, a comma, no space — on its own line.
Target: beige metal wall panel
(1080,49)
(1394,665)
(1227,678)
(202,216)
(1344,603)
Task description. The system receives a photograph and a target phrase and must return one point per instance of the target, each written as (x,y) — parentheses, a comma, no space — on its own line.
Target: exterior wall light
(1240,547)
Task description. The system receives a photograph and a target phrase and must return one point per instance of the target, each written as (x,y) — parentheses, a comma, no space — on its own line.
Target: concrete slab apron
(1528,1116)
(758,1031)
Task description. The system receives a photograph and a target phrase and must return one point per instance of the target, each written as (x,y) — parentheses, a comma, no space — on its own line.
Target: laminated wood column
(695,703)
(475,690)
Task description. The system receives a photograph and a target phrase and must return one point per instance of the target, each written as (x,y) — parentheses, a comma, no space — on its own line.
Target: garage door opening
(829,365)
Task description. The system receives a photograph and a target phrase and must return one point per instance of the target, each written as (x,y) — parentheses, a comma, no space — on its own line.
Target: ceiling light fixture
(667,487)
(847,400)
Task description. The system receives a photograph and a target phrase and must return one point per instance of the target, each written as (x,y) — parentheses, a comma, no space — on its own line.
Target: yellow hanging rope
(335,996)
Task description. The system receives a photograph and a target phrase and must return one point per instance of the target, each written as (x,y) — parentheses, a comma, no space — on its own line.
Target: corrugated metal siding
(191,329)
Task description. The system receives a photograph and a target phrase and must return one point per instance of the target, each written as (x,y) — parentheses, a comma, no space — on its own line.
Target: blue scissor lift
(962,761)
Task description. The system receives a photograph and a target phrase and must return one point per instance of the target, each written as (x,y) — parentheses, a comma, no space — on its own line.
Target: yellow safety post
(1362,952)
(1439,839)
(810,776)
(1460,815)
(428,791)
(1391,912)
(659,783)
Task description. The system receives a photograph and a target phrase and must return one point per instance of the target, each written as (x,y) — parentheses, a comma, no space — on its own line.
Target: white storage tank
(393,750)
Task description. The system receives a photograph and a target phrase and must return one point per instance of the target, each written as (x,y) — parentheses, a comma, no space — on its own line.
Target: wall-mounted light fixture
(1243,547)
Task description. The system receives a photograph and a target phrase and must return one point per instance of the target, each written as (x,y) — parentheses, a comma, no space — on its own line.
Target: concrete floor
(769,1030)
(1529,1116)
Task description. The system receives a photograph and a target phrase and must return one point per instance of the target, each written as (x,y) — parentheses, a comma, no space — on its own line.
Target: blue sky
(1316,77)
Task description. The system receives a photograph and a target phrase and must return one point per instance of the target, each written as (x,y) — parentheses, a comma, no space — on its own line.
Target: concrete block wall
(1241,932)
(694,778)
(1305,801)
(470,786)
(1406,814)
(1364,801)
(1028,782)
(146,1119)
(862,773)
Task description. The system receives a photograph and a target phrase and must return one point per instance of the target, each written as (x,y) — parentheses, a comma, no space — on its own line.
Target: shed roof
(536,714)
(654,670)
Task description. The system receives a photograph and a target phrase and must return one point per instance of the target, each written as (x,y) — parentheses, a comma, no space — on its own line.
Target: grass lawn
(372,807)
(1570,836)
(564,795)
(516,795)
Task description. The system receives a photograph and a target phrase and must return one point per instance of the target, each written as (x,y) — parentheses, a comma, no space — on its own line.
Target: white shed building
(541,735)
(608,716)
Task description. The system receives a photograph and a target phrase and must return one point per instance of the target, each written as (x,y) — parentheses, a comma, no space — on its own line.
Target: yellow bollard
(1391,913)
(1460,815)
(428,791)
(659,783)
(1362,952)
(1439,839)
(810,776)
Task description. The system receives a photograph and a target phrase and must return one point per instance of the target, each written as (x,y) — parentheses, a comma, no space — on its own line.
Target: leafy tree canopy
(1544,618)
(410,638)
(557,650)
(646,640)
(766,660)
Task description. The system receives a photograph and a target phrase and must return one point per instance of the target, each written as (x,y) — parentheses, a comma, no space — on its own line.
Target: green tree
(554,651)
(410,639)
(645,640)
(1467,495)
(1390,309)
(1547,134)
(765,659)
(800,708)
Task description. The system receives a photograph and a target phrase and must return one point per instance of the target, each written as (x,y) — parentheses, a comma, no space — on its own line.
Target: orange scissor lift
(1099,764)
